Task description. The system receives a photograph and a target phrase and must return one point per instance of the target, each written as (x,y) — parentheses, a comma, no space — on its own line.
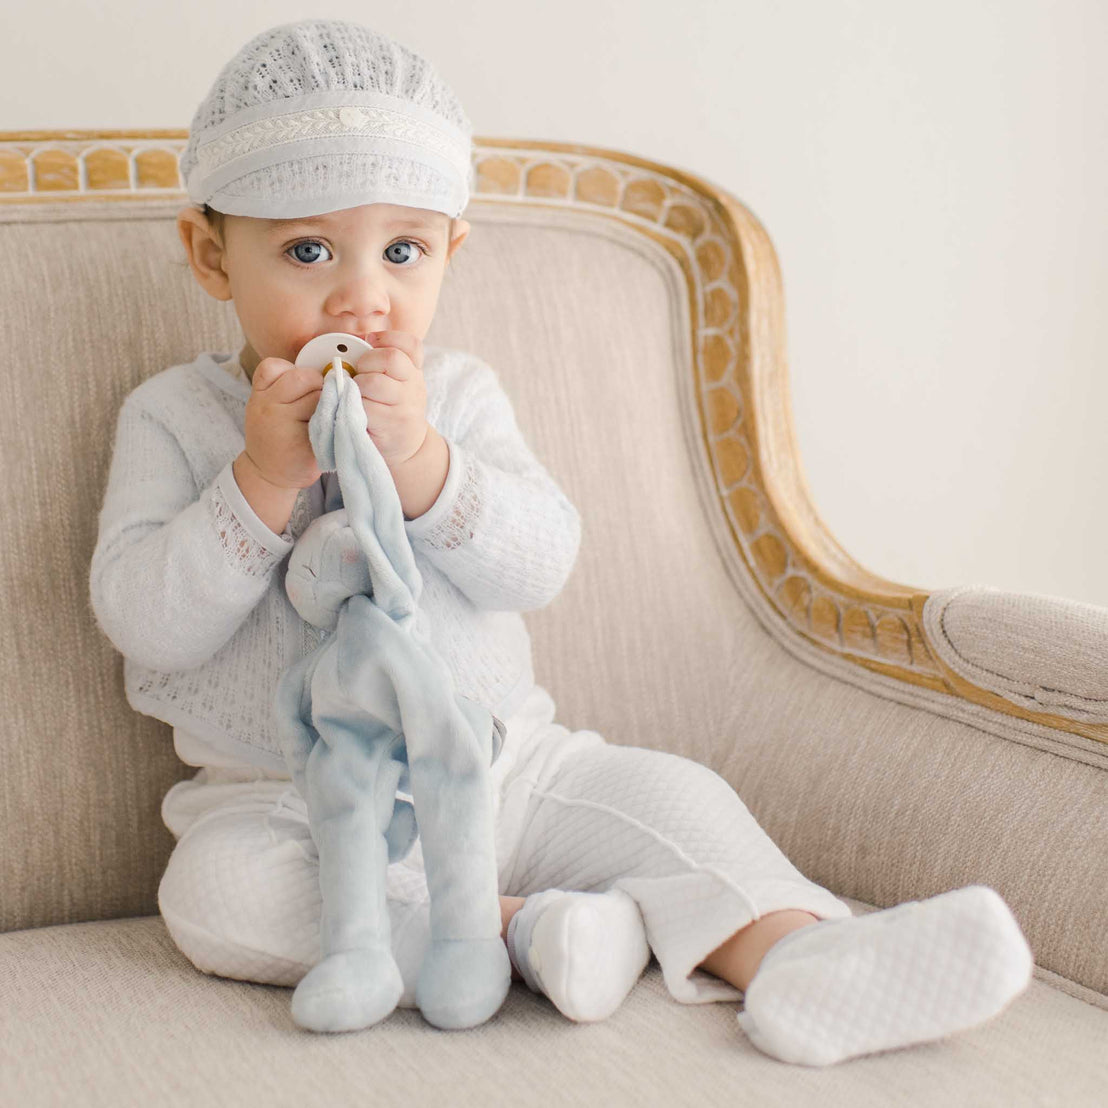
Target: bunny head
(326,567)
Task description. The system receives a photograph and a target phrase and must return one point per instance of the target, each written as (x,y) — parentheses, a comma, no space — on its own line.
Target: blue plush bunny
(372,710)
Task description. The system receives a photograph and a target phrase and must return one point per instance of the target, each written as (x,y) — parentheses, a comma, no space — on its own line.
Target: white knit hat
(322,114)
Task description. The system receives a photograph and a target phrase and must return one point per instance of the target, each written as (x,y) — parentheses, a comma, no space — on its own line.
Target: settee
(896,741)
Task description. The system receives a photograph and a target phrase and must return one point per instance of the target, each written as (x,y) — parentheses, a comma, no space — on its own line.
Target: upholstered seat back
(615,316)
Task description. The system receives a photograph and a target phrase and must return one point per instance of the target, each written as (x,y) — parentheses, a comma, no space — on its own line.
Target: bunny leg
(351,785)
(466,972)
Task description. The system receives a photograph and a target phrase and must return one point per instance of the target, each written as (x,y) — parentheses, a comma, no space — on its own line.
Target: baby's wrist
(420,479)
(244,463)
(271,503)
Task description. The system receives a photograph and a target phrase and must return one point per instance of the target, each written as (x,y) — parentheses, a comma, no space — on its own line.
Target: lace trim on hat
(360,120)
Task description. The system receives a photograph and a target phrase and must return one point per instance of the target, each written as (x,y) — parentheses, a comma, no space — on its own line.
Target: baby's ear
(459,233)
(204,250)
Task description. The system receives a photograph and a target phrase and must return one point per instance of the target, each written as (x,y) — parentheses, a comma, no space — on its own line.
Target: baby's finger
(379,387)
(295,383)
(390,361)
(412,345)
(304,407)
(267,372)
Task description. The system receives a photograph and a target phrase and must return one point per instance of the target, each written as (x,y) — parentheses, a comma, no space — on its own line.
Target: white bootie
(909,974)
(584,951)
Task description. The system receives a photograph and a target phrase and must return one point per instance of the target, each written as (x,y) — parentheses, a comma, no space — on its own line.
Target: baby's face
(377,267)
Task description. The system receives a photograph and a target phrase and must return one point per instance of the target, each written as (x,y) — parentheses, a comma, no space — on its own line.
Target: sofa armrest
(1039,653)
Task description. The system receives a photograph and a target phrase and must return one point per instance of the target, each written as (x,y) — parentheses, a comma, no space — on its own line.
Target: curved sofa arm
(1041,653)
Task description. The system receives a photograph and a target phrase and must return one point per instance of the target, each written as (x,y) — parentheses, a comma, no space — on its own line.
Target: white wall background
(933,177)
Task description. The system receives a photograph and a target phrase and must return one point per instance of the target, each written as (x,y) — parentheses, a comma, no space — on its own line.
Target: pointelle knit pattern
(187,582)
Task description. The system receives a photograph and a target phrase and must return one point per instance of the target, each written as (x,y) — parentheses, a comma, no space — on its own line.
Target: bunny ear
(373,509)
(341,444)
(338,433)
(321,427)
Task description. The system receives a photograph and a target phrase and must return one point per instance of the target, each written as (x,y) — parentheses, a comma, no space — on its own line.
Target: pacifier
(324,352)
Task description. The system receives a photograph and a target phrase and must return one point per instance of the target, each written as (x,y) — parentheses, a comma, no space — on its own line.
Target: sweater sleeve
(501,529)
(176,569)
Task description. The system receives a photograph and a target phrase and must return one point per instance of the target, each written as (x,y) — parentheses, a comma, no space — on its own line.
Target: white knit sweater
(188,583)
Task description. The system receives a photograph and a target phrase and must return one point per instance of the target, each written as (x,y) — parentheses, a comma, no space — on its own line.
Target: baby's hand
(390,379)
(282,400)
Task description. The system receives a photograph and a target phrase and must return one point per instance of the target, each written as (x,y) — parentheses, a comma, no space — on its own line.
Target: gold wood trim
(736,305)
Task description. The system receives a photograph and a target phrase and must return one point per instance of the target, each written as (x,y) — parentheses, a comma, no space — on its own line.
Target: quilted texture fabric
(908,975)
(583,951)
(372,709)
(576,812)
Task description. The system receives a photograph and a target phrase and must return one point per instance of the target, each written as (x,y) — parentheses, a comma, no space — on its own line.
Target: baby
(328,169)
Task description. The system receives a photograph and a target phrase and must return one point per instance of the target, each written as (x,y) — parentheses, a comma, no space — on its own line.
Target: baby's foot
(584,951)
(909,974)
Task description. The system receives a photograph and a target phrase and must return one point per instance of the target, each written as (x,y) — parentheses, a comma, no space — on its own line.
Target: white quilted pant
(240,894)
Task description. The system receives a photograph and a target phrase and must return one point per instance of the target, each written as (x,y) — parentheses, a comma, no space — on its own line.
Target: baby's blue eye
(401,244)
(309,245)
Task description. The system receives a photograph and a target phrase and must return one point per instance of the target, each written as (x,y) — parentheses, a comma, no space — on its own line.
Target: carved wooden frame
(736,309)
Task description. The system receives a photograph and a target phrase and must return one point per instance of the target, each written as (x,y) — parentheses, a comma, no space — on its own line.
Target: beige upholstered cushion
(112,1015)
(875,789)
